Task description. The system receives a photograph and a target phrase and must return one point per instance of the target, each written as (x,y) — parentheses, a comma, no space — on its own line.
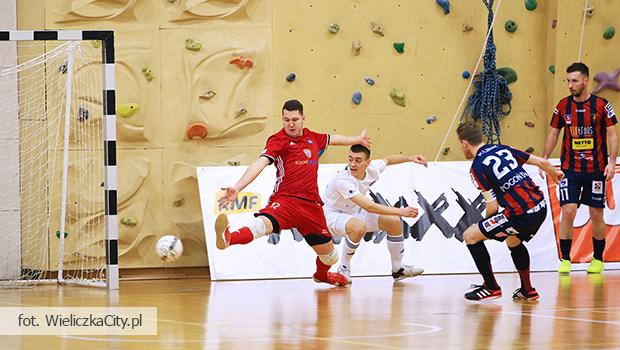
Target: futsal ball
(169,248)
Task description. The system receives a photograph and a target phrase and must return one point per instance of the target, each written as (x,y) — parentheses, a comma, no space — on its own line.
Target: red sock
(321,268)
(241,236)
(525,279)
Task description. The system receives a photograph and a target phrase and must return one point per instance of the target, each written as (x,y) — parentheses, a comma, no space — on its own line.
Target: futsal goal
(58,198)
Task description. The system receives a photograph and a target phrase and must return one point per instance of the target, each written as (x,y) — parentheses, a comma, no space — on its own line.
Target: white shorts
(336,221)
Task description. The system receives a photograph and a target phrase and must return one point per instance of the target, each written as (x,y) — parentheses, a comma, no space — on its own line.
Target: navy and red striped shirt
(584,144)
(497,169)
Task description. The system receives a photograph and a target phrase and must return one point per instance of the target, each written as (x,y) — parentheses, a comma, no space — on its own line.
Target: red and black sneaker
(222,233)
(336,279)
(482,292)
(521,294)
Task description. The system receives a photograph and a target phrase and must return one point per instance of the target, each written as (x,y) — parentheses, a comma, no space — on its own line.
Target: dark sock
(599,247)
(321,269)
(483,262)
(565,248)
(521,259)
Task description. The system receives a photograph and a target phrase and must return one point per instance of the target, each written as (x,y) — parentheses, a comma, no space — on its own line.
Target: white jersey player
(350,214)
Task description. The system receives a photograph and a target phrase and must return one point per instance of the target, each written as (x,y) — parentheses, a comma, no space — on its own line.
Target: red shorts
(304,215)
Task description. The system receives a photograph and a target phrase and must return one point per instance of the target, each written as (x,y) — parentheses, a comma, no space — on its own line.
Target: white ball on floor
(169,248)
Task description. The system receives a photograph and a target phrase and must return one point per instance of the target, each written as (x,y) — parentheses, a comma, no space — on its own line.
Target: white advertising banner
(447,201)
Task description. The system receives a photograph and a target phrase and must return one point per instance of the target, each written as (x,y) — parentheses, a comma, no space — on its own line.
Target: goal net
(55,186)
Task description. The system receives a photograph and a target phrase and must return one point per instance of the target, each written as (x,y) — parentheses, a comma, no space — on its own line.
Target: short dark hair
(361,149)
(470,133)
(578,67)
(293,105)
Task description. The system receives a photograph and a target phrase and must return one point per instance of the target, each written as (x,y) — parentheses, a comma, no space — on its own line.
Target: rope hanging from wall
(491,90)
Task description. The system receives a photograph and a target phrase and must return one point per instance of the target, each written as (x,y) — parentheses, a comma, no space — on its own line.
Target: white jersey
(344,186)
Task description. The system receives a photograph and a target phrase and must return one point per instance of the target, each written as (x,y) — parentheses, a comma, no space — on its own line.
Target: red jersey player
(295,201)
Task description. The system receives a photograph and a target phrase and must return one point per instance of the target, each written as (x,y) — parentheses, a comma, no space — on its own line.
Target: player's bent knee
(258,227)
(356,229)
(472,235)
(512,241)
(329,259)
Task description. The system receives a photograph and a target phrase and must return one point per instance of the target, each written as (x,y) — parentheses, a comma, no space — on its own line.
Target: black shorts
(583,188)
(499,227)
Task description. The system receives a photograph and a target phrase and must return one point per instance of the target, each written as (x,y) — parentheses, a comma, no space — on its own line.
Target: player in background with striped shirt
(497,172)
(295,201)
(588,157)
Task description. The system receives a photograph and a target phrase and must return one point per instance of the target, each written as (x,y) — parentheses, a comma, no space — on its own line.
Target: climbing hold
(83,114)
(356,47)
(446,150)
(552,69)
(609,32)
(589,10)
(58,234)
(554,23)
(234,162)
(509,74)
(398,97)
(148,74)
(291,77)
(377,28)
(445,5)
(370,81)
(179,202)
(129,221)
(467,28)
(96,43)
(529,124)
(399,47)
(127,109)
(529,150)
(357,98)
(607,81)
(530,5)
(196,130)
(334,28)
(241,112)
(242,62)
(466,74)
(208,95)
(63,68)
(431,119)
(192,45)
(511,26)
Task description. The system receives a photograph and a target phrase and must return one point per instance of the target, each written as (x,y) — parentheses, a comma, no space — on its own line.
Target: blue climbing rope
(491,91)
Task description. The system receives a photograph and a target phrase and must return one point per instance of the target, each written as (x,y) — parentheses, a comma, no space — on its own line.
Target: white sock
(348,250)
(396,247)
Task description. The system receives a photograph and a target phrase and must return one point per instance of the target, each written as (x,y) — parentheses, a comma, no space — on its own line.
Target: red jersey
(584,144)
(297,163)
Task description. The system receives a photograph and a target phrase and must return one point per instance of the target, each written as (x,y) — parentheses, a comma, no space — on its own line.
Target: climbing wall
(202,83)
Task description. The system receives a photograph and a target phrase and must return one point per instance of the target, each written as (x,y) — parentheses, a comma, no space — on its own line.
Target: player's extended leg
(475,243)
(327,256)
(598,240)
(521,259)
(255,228)
(355,230)
(396,246)
(569,210)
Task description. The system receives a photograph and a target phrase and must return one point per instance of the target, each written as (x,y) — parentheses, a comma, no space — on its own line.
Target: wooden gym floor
(579,311)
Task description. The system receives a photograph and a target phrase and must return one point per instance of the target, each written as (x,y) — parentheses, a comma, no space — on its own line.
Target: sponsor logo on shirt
(494,221)
(610,111)
(583,144)
(308,152)
(581,131)
(567,118)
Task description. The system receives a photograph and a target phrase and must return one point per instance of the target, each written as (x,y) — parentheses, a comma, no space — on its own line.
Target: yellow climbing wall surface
(208,78)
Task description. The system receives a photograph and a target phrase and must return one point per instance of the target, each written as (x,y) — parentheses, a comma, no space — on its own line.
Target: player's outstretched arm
(250,174)
(612,145)
(400,158)
(543,164)
(376,208)
(340,140)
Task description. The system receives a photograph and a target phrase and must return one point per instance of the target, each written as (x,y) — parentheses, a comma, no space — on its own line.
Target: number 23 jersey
(497,169)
